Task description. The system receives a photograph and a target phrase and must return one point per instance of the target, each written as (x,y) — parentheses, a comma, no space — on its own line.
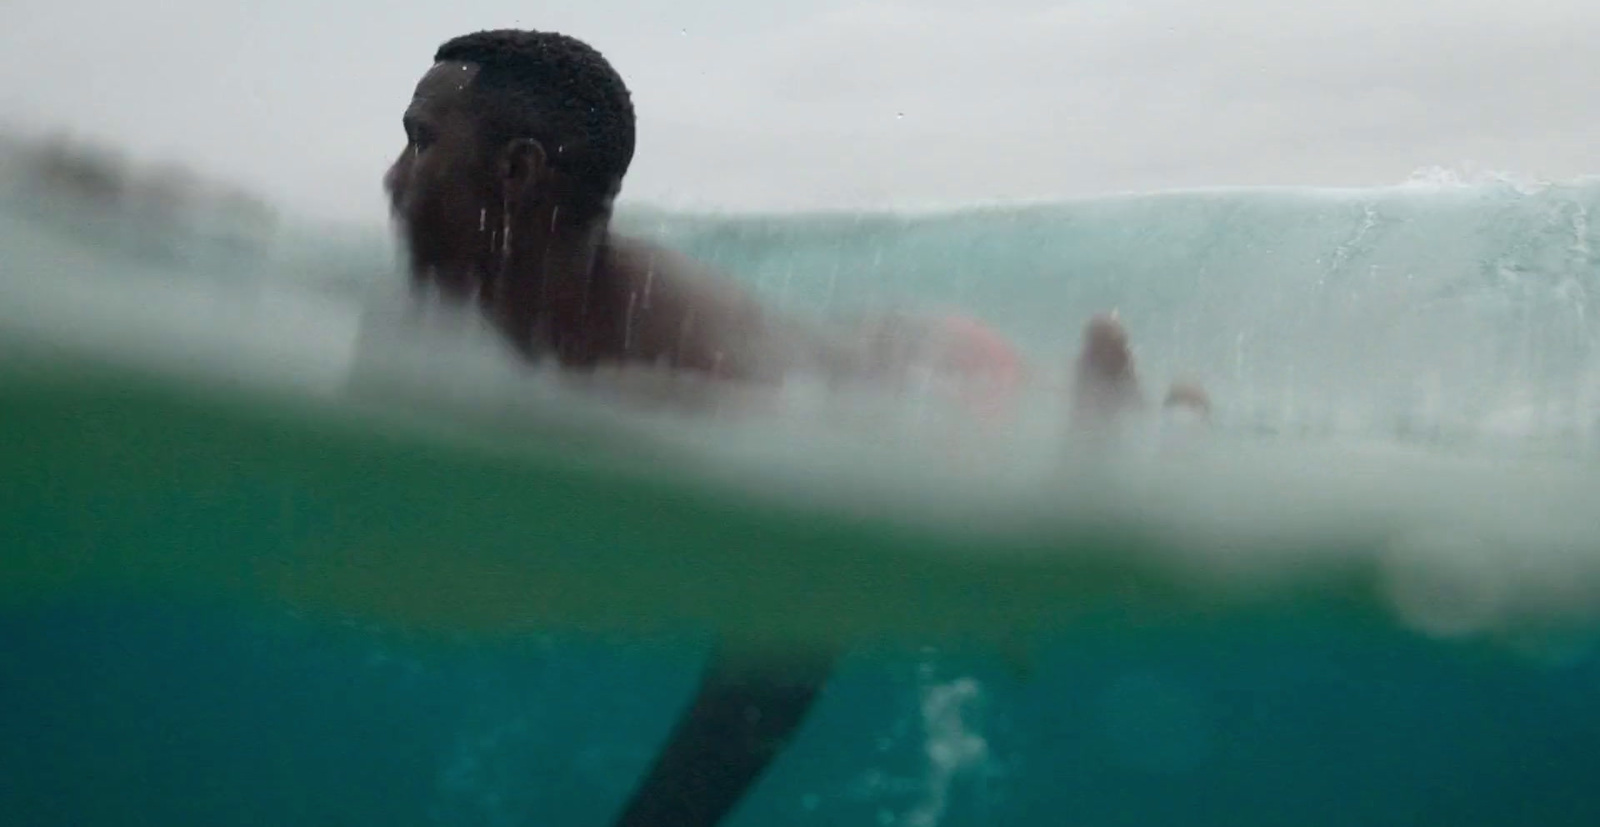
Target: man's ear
(523,167)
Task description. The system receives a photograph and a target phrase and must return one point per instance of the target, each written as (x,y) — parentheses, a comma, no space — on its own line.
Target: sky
(805,104)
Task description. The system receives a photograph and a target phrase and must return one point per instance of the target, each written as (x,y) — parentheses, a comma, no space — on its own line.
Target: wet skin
(503,225)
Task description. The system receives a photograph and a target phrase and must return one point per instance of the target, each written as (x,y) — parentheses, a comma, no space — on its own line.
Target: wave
(1447,301)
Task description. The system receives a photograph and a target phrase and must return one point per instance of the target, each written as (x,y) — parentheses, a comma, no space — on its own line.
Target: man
(516,146)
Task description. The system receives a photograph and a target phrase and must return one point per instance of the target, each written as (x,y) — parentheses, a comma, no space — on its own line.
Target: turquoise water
(121,714)
(1442,315)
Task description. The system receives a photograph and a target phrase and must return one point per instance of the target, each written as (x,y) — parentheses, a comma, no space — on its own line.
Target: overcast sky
(833,103)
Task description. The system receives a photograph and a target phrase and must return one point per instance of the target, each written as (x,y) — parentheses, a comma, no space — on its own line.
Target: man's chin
(423,263)
(449,283)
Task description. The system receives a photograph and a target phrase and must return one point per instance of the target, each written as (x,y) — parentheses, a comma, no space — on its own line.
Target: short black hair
(557,90)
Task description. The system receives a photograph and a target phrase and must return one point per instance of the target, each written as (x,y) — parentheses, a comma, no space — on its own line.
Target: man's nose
(392,179)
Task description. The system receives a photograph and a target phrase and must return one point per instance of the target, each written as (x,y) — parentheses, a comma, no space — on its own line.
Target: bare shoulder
(683,312)
(672,276)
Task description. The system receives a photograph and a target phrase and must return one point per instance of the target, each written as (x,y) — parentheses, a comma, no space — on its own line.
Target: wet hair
(557,90)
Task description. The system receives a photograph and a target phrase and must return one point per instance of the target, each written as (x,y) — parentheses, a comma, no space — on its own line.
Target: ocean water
(1410,368)
(1449,301)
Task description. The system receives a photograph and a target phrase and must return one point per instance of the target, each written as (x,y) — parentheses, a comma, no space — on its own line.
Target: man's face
(443,180)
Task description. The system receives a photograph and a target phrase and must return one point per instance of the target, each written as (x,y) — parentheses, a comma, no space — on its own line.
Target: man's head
(503,122)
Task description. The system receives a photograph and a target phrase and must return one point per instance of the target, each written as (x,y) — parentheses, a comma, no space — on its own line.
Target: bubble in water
(954,744)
